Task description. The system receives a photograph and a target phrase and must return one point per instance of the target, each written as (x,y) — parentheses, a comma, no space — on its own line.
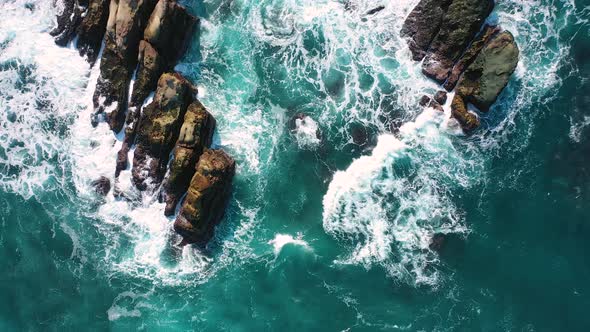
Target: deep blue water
(319,234)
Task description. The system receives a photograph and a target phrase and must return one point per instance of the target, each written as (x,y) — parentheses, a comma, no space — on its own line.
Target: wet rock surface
(102,185)
(488,75)
(196,135)
(207,196)
(158,129)
(92,29)
(67,21)
(422,25)
(460,25)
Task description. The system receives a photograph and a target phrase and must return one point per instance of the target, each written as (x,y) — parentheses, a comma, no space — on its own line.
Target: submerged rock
(127,19)
(102,185)
(460,25)
(469,56)
(196,135)
(206,199)
(92,29)
(67,21)
(422,25)
(158,129)
(488,75)
(169,29)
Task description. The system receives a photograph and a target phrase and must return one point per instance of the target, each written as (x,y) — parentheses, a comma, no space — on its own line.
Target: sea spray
(388,205)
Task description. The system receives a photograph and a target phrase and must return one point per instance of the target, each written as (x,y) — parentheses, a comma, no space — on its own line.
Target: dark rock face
(196,135)
(67,21)
(488,75)
(169,29)
(149,70)
(127,19)
(470,55)
(466,119)
(102,185)
(422,25)
(440,97)
(158,129)
(206,198)
(92,28)
(460,25)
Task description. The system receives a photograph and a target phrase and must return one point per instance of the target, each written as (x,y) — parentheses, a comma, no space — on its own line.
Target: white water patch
(306,133)
(40,85)
(577,128)
(281,240)
(387,206)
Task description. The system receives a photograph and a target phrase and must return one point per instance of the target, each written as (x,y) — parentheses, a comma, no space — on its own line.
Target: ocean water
(328,227)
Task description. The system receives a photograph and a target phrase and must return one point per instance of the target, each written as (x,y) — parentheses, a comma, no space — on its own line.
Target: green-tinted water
(319,235)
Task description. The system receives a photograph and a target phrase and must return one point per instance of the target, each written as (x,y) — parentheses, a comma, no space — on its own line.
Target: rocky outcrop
(440,97)
(196,135)
(206,199)
(467,119)
(460,25)
(169,29)
(125,25)
(67,21)
(466,59)
(92,28)
(422,25)
(102,185)
(158,129)
(488,75)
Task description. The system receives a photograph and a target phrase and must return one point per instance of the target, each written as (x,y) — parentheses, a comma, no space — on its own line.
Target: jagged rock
(207,196)
(92,28)
(468,120)
(169,29)
(469,56)
(440,97)
(196,134)
(427,101)
(488,75)
(127,19)
(460,25)
(422,25)
(149,70)
(102,185)
(158,129)
(67,21)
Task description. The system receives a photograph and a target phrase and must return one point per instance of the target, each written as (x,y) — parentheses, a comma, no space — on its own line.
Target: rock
(466,119)
(488,75)
(196,135)
(150,68)
(469,56)
(127,19)
(92,28)
(102,185)
(437,242)
(426,101)
(375,10)
(158,129)
(169,29)
(206,199)
(460,25)
(440,97)
(67,21)
(422,25)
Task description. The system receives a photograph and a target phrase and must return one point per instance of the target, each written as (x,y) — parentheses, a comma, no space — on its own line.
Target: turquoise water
(319,234)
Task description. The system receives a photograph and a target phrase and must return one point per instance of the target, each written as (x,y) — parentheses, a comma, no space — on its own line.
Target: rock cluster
(148,37)
(459,50)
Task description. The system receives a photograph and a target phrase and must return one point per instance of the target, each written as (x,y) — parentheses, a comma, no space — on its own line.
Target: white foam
(306,133)
(281,240)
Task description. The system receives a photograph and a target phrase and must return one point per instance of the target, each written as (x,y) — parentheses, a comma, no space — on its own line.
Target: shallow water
(321,233)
